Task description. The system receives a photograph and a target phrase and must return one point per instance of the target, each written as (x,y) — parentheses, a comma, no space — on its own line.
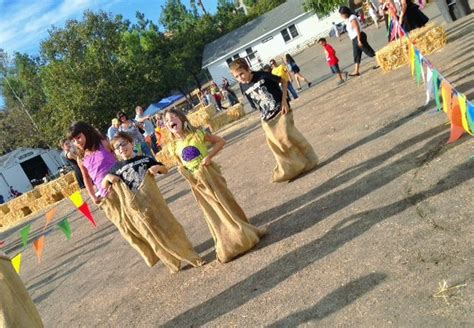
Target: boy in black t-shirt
(132,168)
(294,155)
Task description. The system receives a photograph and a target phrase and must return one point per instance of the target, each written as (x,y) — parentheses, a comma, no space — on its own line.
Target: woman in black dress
(411,17)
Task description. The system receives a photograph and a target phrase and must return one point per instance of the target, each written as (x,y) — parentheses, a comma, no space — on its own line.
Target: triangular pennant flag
(16,262)
(470,115)
(463,108)
(436,86)
(2,243)
(446,93)
(418,66)
(87,213)
(38,245)
(65,227)
(456,122)
(412,58)
(76,198)
(24,234)
(49,216)
(422,62)
(429,84)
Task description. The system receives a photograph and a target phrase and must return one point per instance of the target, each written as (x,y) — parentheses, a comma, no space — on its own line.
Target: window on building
(236,56)
(250,53)
(289,33)
(229,61)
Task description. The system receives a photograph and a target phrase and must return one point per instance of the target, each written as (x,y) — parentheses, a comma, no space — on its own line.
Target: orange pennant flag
(49,216)
(455,118)
(38,245)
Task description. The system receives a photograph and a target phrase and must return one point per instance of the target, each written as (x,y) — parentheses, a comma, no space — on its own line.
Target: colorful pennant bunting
(24,234)
(84,208)
(65,228)
(456,122)
(38,245)
(49,216)
(418,67)
(470,116)
(16,262)
(76,198)
(429,84)
(464,117)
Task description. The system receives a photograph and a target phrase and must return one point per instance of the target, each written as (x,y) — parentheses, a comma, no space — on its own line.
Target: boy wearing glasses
(132,168)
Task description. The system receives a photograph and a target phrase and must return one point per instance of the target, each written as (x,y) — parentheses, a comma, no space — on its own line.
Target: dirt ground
(365,240)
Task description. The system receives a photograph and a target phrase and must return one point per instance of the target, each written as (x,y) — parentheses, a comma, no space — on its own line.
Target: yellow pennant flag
(49,216)
(446,94)
(76,198)
(412,58)
(463,107)
(16,262)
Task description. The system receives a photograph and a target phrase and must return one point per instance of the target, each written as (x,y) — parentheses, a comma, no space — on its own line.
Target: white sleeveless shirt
(350,29)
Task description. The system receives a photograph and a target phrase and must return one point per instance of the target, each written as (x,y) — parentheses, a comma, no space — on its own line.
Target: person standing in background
(148,126)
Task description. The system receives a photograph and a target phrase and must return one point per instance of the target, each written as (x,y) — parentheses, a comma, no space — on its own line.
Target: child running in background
(293,154)
(332,60)
(282,71)
(232,233)
(134,215)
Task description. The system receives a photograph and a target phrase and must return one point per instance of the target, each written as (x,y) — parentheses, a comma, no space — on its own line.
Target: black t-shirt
(132,171)
(265,93)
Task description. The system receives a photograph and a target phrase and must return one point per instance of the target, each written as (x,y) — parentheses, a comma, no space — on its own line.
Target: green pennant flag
(418,67)
(24,234)
(436,85)
(65,227)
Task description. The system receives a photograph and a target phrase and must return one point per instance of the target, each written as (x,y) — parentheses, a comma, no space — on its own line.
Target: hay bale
(202,116)
(427,39)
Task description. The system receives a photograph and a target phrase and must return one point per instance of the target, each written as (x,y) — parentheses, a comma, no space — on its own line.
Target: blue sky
(24,23)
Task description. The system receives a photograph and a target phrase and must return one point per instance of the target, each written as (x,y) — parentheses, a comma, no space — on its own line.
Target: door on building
(35,168)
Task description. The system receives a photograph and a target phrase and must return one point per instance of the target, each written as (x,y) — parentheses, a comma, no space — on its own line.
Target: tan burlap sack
(232,233)
(293,153)
(16,307)
(146,222)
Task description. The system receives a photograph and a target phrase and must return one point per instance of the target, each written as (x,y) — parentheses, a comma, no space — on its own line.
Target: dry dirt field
(365,240)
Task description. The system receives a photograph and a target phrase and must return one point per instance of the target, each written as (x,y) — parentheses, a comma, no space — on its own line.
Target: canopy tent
(162,104)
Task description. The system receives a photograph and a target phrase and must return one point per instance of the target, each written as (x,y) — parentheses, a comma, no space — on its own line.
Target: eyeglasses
(122,144)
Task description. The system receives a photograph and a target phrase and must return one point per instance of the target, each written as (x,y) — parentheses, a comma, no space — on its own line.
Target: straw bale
(427,39)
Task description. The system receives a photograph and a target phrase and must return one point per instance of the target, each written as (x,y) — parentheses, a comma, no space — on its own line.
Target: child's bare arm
(155,169)
(218,144)
(284,97)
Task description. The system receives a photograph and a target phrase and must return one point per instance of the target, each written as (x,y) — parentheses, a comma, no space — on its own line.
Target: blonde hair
(187,126)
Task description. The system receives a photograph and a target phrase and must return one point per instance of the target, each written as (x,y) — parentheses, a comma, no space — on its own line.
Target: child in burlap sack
(232,233)
(293,154)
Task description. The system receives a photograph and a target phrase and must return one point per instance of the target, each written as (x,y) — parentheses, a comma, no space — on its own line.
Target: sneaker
(376,66)
(309,84)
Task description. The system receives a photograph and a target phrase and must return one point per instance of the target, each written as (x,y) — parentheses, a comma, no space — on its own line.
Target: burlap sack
(16,307)
(293,153)
(232,233)
(146,222)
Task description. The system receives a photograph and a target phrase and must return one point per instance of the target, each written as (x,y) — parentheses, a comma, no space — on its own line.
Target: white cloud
(26,22)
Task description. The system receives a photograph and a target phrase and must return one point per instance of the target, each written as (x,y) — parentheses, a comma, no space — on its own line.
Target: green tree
(323,7)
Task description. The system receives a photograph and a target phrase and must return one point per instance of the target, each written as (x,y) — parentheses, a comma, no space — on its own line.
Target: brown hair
(187,126)
(239,63)
(122,135)
(93,137)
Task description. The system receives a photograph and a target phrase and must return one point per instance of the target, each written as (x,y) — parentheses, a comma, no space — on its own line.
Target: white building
(21,166)
(285,29)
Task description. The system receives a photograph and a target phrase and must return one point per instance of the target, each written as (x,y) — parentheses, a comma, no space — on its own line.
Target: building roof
(253,30)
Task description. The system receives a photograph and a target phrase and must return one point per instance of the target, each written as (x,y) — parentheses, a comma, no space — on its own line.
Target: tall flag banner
(16,262)
(456,121)
(49,216)
(464,117)
(84,208)
(24,234)
(76,198)
(38,245)
(429,84)
(65,228)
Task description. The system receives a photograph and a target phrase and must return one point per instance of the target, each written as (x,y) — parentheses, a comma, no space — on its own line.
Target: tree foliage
(93,67)
(323,7)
